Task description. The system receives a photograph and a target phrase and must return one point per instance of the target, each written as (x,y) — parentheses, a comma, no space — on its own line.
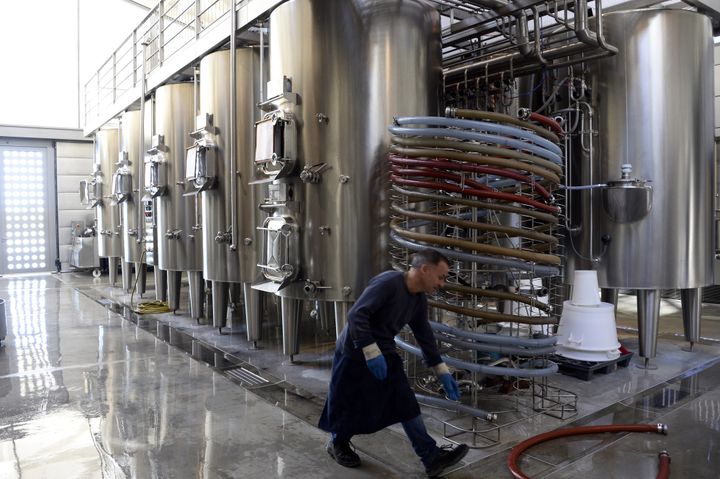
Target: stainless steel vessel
(178,217)
(222,178)
(128,192)
(650,228)
(339,73)
(106,211)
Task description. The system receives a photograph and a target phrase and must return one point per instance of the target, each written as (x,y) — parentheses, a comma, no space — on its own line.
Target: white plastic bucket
(585,288)
(587,333)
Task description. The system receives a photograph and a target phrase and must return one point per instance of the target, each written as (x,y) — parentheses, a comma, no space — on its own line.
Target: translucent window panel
(24,184)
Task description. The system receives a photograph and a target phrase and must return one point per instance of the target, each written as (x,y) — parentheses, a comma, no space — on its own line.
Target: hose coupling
(222,237)
(662,428)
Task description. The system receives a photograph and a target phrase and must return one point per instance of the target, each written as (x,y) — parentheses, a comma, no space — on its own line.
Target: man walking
(368,388)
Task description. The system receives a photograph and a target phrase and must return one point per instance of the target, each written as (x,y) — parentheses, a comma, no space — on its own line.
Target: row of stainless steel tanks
(297,205)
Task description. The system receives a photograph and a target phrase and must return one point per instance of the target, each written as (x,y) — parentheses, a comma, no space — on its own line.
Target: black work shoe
(446,458)
(342,454)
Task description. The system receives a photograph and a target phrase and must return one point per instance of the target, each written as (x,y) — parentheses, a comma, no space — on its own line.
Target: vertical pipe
(236,294)
(691,312)
(253,313)
(127,276)
(609,295)
(648,303)
(141,156)
(174,279)
(233,126)
(262,62)
(196,287)
(141,270)
(112,269)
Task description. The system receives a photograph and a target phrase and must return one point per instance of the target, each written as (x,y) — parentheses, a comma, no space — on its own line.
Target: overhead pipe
(455,406)
(549,368)
(516,452)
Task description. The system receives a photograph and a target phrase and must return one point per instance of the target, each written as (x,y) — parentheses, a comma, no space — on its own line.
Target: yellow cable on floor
(148,307)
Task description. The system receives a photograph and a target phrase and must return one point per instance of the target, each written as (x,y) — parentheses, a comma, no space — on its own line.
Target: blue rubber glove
(450,386)
(378,367)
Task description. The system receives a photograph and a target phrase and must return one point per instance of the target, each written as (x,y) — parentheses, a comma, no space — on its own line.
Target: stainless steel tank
(178,216)
(128,192)
(223,261)
(106,211)
(339,73)
(651,227)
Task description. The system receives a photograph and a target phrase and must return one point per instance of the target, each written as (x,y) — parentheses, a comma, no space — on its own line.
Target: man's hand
(450,386)
(378,367)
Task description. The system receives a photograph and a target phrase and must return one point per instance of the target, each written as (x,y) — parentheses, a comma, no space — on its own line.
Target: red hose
(487,170)
(547,121)
(473,192)
(664,472)
(575,431)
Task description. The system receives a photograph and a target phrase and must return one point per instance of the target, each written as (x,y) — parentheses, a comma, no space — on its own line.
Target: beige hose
(490,317)
(489,293)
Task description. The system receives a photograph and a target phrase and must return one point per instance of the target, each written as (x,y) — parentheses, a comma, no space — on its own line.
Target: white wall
(42,70)
(74,163)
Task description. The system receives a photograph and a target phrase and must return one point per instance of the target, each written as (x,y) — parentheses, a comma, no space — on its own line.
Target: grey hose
(512,131)
(483,369)
(473,136)
(496,348)
(455,406)
(538,270)
(495,338)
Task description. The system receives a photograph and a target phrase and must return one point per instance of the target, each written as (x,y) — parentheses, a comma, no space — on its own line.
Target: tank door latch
(155,169)
(122,180)
(276,145)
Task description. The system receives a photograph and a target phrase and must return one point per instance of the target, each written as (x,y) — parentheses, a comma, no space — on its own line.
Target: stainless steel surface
(290,313)
(691,300)
(160,284)
(107,214)
(648,306)
(655,111)
(220,263)
(253,312)
(341,312)
(220,293)
(354,66)
(130,145)
(196,292)
(179,238)
(174,281)
(127,276)
(113,263)
(627,202)
(84,253)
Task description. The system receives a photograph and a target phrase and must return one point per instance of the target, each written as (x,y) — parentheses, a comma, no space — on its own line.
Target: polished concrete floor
(88,389)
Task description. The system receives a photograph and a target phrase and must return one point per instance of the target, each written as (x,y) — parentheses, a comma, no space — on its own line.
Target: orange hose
(575,431)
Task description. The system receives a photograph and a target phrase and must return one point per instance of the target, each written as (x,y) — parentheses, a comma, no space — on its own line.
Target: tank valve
(173,234)
(312,174)
(221,237)
(346,290)
(324,230)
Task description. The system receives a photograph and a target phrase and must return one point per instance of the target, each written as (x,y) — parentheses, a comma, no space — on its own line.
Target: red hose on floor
(575,431)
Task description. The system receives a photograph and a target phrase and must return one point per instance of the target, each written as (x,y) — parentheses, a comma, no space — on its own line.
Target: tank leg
(141,269)
(253,313)
(174,284)
(236,305)
(341,311)
(648,303)
(691,312)
(113,263)
(160,284)
(196,287)
(609,295)
(127,276)
(219,303)
(291,310)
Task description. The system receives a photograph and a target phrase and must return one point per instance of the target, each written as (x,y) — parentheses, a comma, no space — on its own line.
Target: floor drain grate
(245,376)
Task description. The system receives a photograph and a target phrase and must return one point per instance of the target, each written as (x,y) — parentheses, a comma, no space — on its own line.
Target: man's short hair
(428,256)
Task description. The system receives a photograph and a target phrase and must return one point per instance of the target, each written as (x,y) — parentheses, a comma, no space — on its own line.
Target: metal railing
(175,33)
